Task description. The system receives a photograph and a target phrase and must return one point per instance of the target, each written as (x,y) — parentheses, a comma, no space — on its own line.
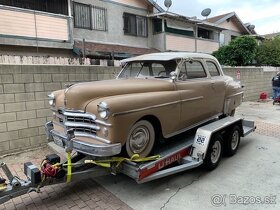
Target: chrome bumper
(99,150)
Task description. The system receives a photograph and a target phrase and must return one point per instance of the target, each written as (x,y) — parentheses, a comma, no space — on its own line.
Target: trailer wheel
(214,153)
(141,139)
(232,140)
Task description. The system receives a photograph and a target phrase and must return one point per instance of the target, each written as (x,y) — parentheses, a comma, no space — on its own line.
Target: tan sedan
(155,96)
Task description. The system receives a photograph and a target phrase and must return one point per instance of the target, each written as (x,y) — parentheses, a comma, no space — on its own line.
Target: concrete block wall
(255,79)
(24,107)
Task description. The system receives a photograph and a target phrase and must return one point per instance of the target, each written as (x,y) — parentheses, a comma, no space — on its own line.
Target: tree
(268,53)
(239,52)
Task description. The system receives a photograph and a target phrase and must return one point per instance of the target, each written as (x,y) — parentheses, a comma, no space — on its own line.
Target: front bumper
(99,150)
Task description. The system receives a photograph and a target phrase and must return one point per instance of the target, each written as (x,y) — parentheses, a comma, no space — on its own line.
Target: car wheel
(232,140)
(214,153)
(141,139)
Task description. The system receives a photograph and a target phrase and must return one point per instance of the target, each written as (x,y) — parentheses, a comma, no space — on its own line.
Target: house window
(99,18)
(135,25)
(51,6)
(89,17)
(222,39)
(82,15)
(205,34)
(157,25)
(233,37)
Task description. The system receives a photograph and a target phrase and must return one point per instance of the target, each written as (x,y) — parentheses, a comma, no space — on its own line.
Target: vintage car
(154,96)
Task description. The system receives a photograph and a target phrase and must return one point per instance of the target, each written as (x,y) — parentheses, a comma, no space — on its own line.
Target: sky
(264,14)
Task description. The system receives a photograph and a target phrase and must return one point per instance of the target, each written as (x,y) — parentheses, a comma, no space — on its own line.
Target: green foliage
(239,52)
(268,53)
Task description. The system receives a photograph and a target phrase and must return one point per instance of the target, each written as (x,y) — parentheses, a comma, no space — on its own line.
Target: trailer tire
(232,140)
(214,153)
(141,139)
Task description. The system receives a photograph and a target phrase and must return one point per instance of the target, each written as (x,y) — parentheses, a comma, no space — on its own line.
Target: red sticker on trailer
(163,163)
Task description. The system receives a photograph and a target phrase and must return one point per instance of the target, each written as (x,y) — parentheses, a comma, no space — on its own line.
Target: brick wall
(255,79)
(24,107)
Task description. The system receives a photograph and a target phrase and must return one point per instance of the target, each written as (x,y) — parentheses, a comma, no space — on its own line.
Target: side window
(213,70)
(192,70)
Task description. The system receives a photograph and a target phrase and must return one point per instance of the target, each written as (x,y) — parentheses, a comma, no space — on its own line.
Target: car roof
(167,56)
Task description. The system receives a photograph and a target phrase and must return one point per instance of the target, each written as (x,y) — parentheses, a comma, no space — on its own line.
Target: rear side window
(213,70)
(192,70)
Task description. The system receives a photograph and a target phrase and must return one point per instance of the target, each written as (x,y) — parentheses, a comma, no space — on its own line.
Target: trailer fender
(201,143)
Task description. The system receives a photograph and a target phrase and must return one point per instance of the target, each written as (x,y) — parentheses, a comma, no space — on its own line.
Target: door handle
(213,84)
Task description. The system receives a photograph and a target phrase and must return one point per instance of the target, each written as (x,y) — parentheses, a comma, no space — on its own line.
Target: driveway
(249,180)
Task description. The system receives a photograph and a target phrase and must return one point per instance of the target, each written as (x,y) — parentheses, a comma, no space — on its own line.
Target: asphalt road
(248,180)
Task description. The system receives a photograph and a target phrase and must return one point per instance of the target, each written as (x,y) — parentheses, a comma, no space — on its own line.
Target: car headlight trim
(103,110)
(51,99)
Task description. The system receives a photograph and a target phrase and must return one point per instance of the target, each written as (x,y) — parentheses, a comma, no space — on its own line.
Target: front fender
(127,109)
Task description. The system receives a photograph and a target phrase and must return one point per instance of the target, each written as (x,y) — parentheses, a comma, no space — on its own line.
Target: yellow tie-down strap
(107,163)
(69,167)
(135,158)
(3,187)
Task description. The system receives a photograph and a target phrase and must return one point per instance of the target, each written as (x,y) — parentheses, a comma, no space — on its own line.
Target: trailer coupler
(51,172)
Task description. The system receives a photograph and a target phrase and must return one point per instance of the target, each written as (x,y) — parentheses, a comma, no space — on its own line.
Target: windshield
(156,69)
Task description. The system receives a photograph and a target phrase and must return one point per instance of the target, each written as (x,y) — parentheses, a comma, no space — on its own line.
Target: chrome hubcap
(139,139)
(234,140)
(216,152)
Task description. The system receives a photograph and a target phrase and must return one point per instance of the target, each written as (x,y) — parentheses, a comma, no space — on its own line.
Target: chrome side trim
(82,125)
(103,123)
(81,134)
(145,108)
(193,99)
(236,94)
(192,126)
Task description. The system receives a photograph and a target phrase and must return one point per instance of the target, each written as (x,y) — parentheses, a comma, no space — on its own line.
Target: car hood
(79,95)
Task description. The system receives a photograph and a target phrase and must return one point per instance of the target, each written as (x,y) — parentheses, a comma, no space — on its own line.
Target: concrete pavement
(253,172)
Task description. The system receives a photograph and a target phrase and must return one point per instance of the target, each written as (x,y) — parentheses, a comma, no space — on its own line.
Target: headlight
(103,110)
(51,99)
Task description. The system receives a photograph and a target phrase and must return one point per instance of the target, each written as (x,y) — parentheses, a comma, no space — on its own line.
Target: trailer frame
(190,150)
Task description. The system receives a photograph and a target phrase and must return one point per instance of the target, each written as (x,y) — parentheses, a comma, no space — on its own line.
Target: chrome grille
(79,121)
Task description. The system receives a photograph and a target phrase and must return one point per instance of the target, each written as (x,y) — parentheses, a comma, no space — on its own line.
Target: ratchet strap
(69,168)
(106,163)
(135,158)
(3,187)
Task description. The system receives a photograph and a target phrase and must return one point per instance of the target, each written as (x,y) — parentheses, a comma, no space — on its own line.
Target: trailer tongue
(204,146)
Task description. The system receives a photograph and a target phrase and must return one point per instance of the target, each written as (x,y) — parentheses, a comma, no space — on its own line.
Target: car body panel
(172,105)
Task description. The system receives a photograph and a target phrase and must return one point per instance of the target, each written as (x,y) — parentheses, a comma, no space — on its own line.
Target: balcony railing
(34,25)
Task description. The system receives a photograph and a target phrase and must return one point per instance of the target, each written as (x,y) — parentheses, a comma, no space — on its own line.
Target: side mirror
(173,75)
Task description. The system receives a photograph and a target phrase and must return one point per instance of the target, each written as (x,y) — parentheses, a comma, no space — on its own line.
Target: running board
(187,163)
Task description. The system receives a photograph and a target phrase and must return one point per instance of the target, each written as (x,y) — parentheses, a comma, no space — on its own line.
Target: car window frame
(201,61)
(216,64)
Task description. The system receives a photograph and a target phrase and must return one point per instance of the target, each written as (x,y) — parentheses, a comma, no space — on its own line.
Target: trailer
(201,146)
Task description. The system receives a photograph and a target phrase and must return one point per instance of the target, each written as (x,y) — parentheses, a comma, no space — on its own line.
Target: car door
(218,86)
(195,88)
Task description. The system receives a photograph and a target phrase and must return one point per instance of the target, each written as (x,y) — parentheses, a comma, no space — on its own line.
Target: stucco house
(106,29)
(233,26)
